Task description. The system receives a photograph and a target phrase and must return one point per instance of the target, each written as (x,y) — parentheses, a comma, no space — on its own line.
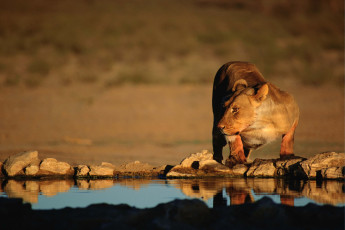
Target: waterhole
(147,193)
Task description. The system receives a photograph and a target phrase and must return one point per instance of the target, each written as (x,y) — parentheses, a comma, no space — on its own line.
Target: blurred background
(87,81)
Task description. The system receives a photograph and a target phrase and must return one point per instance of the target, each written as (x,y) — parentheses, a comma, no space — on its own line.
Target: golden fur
(250,112)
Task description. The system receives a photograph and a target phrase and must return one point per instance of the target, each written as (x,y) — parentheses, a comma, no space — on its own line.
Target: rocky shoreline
(178,214)
(324,166)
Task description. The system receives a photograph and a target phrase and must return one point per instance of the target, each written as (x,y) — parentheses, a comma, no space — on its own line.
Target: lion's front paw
(234,160)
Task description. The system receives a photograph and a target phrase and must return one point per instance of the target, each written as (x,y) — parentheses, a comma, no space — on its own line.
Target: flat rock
(16,163)
(103,170)
(262,168)
(51,166)
(314,166)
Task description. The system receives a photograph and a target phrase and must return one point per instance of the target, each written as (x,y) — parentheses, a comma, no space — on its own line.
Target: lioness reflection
(240,191)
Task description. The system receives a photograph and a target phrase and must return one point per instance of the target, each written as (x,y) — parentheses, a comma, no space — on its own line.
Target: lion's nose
(221,127)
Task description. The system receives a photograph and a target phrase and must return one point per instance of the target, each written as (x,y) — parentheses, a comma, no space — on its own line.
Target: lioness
(250,112)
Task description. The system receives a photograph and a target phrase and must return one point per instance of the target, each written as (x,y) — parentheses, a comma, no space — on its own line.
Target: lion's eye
(234,110)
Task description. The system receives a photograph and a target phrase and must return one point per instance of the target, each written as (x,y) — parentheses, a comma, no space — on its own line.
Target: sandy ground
(150,123)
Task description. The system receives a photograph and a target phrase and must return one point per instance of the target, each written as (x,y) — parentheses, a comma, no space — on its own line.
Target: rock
(177,171)
(203,156)
(16,163)
(239,170)
(109,165)
(313,166)
(286,167)
(199,164)
(33,168)
(162,170)
(213,166)
(333,173)
(104,170)
(51,166)
(262,168)
(82,171)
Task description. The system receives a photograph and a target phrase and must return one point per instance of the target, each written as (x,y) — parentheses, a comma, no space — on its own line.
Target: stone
(101,171)
(333,173)
(109,165)
(262,168)
(82,171)
(313,166)
(16,163)
(51,166)
(286,167)
(176,173)
(33,168)
(239,170)
(213,166)
(199,164)
(204,155)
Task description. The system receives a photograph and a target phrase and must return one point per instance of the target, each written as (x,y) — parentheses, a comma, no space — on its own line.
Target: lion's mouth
(230,134)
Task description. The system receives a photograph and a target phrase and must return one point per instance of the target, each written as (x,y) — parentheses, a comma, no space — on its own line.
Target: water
(147,193)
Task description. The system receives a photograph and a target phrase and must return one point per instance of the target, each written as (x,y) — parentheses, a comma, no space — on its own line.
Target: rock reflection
(135,184)
(221,190)
(18,189)
(29,190)
(240,191)
(52,188)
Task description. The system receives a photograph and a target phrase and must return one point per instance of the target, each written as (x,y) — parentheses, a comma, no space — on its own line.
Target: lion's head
(240,108)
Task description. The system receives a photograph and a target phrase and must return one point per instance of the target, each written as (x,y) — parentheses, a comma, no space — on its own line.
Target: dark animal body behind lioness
(250,112)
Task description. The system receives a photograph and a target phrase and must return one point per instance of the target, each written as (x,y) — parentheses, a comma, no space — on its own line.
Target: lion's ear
(239,85)
(261,93)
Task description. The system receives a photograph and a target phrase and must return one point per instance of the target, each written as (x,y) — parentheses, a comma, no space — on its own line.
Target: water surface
(147,193)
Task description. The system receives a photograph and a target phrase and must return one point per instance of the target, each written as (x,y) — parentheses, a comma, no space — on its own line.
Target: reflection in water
(237,191)
(240,191)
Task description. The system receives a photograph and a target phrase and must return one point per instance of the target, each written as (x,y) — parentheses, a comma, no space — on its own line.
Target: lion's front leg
(218,142)
(286,149)
(237,155)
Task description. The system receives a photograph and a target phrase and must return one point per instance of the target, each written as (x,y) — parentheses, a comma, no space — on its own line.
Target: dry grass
(111,43)
(133,78)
